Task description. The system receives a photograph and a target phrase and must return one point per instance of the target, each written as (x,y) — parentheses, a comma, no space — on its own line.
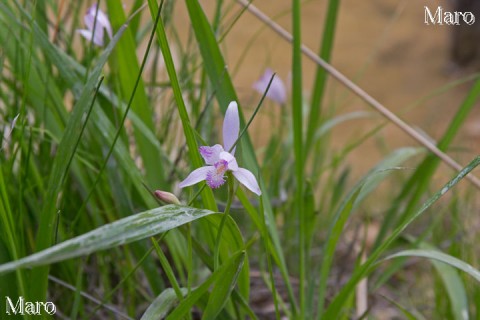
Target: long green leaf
(439,256)
(321,75)
(229,268)
(133,228)
(335,231)
(297,124)
(208,198)
(221,292)
(453,283)
(162,305)
(359,192)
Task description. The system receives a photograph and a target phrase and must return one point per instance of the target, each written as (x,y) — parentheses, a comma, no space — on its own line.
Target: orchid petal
(276,92)
(87,34)
(232,162)
(231,127)
(89,17)
(98,37)
(247,178)
(102,19)
(211,154)
(196,176)
(101,24)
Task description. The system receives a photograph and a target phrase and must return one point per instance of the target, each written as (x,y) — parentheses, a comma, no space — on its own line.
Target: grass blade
(318,88)
(162,305)
(453,285)
(416,186)
(208,198)
(334,310)
(65,151)
(230,267)
(297,120)
(455,289)
(127,67)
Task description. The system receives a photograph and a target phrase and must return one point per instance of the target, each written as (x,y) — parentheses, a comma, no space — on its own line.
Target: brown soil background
(383,45)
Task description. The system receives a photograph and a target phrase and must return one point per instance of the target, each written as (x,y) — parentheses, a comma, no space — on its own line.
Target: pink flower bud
(167,197)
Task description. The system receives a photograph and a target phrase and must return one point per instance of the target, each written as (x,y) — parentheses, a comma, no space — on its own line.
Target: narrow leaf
(162,305)
(233,265)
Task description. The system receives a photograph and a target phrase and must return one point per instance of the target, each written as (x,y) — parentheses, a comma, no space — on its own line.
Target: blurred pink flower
(101,25)
(220,160)
(277,91)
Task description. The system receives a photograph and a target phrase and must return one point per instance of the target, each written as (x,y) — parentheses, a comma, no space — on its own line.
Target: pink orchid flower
(220,159)
(102,24)
(277,91)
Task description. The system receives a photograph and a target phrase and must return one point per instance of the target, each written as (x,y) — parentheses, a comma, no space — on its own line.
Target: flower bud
(167,197)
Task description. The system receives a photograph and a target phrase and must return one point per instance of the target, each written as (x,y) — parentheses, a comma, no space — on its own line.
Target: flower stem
(216,262)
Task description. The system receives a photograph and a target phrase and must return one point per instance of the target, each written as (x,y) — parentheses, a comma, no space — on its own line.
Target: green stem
(216,262)
(190,258)
(297,122)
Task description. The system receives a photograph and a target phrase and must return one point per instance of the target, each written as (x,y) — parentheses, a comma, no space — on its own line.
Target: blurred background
(385,47)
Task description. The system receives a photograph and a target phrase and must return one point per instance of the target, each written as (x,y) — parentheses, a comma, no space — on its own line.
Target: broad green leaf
(232,242)
(162,305)
(133,228)
(221,292)
(230,268)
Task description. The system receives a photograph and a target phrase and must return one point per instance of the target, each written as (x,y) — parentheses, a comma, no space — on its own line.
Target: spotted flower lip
(219,160)
(101,25)
(277,91)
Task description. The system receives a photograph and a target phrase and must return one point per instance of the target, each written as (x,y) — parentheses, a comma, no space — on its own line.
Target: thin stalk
(167,269)
(189,258)
(298,146)
(260,103)
(208,199)
(266,240)
(216,262)
(130,273)
(124,118)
